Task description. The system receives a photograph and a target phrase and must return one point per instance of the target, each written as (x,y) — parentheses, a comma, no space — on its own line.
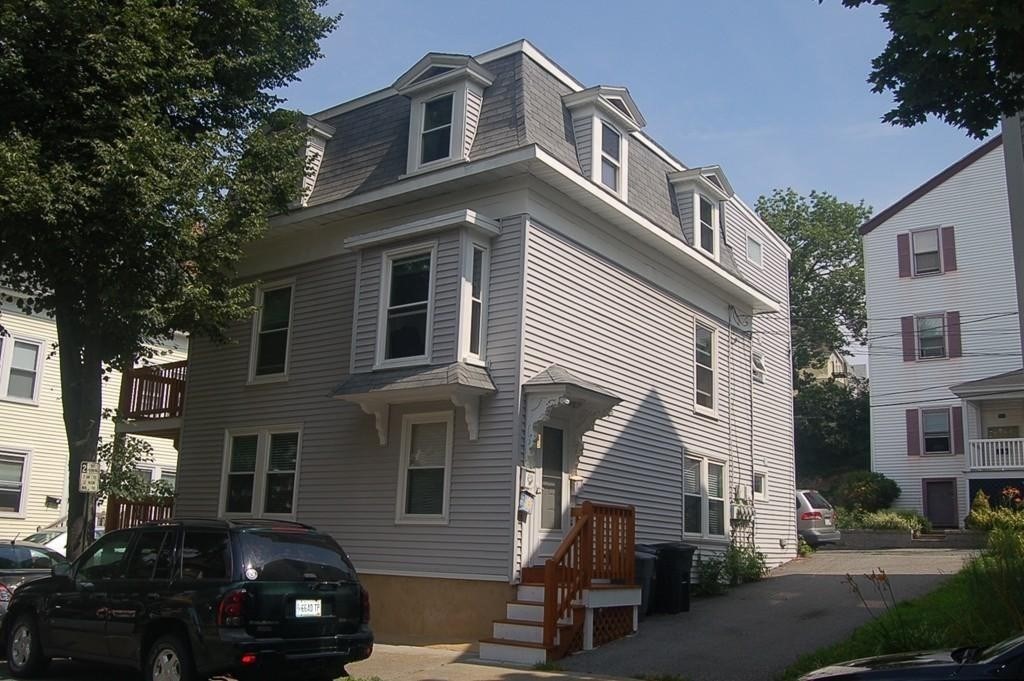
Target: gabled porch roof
(1000,384)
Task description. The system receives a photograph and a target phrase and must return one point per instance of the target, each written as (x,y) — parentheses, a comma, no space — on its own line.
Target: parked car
(191,599)
(56,539)
(815,518)
(21,562)
(1004,660)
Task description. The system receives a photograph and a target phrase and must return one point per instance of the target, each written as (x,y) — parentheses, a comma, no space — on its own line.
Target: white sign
(89,477)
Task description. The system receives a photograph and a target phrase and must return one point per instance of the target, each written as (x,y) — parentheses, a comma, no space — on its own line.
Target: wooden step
(524,630)
(533,574)
(525,610)
(516,652)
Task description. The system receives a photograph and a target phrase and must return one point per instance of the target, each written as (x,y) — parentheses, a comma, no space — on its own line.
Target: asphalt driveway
(757,630)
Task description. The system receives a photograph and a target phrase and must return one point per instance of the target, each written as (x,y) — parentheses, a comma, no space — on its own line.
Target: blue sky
(772,90)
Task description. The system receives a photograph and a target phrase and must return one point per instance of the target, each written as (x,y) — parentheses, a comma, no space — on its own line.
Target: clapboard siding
(474,101)
(347,481)
(974,202)
(583,128)
(39,429)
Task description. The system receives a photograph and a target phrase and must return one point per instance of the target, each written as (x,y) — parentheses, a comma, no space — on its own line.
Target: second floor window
(272,322)
(610,157)
(408,306)
(926,251)
(436,137)
(704,367)
(476,283)
(707,226)
(931,336)
(936,431)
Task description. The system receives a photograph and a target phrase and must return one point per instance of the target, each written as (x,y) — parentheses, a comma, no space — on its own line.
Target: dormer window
(611,143)
(700,193)
(436,140)
(707,225)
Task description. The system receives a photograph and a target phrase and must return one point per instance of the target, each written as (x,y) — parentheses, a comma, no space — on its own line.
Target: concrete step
(516,652)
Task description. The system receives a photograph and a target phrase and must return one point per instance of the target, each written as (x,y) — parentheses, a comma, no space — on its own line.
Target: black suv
(194,598)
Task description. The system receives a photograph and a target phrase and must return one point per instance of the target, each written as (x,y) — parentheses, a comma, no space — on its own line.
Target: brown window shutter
(909,346)
(913,432)
(953,346)
(948,250)
(957,417)
(903,252)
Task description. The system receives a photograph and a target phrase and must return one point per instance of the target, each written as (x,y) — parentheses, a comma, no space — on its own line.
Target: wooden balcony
(152,399)
(995,455)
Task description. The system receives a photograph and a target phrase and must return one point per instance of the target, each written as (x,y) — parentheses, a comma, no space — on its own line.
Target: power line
(939,399)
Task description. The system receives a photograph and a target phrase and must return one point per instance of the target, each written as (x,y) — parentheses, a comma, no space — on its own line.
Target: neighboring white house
(33,444)
(943,316)
(499,300)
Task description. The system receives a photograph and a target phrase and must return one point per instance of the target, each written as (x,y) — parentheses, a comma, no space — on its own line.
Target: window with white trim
(755,252)
(927,259)
(260,473)
(704,368)
(935,431)
(436,132)
(757,369)
(760,486)
(707,237)
(21,367)
(704,503)
(425,468)
(169,476)
(407,304)
(931,336)
(611,156)
(477,279)
(13,472)
(272,333)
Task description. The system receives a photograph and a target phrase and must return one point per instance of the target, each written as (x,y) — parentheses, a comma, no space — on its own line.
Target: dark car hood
(17,579)
(884,662)
(45,582)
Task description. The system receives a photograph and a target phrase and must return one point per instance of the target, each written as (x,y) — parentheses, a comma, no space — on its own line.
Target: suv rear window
(816,500)
(295,557)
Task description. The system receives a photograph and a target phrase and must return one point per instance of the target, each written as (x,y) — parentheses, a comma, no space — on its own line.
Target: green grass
(547,667)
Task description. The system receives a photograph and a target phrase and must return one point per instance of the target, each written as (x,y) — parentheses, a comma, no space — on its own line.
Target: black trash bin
(672,577)
(645,557)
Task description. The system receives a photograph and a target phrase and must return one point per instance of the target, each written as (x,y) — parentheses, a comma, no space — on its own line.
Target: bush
(888,519)
(863,490)
(744,564)
(711,577)
(984,517)
(803,549)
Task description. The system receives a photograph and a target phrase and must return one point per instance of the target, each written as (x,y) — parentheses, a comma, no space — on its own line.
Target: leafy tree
(960,60)
(140,150)
(119,459)
(826,272)
(832,429)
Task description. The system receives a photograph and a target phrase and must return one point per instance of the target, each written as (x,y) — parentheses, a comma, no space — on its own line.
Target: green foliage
(744,564)
(863,491)
(547,667)
(141,149)
(119,460)
(1008,515)
(711,576)
(826,270)
(803,549)
(958,60)
(886,519)
(831,423)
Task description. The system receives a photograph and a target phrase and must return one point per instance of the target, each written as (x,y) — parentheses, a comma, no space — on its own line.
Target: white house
(947,397)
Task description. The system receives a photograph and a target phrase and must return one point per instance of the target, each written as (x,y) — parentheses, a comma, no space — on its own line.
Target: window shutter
(957,416)
(953,347)
(907,331)
(948,250)
(903,252)
(913,432)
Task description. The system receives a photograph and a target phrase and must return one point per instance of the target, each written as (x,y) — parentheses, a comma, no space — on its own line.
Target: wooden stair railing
(599,545)
(122,513)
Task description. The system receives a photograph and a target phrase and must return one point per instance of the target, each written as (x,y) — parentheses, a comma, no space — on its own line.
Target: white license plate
(827,522)
(307,607)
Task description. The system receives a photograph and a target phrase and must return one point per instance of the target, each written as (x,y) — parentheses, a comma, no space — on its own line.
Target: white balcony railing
(995,455)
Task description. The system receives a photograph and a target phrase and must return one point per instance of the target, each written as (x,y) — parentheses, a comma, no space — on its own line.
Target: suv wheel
(169,659)
(24,650)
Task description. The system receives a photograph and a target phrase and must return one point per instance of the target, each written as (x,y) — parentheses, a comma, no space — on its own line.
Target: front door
(554,494)
(940,502)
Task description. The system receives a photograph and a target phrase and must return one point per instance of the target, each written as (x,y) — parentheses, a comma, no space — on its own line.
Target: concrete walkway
(757,630)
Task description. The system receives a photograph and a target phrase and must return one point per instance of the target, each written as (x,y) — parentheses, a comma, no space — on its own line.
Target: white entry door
(554,495)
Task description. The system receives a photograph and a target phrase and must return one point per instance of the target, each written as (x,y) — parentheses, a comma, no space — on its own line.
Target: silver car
(815,518)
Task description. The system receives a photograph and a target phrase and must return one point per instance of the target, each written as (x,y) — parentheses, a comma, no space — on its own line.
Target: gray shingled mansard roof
(522,107)
(557,375)
(389,380)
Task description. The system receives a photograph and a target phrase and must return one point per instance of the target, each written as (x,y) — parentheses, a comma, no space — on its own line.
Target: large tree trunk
(81,383)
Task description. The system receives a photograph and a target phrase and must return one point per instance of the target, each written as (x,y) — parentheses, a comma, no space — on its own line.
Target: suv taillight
(5,597)
(364,597)
(810,515)
(231,612)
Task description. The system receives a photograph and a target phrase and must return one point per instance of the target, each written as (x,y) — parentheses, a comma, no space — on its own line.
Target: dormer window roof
(614,102)
(602,119)
(710,180)
(437,70)
(700,194)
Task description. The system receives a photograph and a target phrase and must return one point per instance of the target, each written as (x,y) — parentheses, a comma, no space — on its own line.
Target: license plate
(827,522)
(307,607)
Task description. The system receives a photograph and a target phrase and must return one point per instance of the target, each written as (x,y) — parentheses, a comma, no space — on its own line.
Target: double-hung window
(755,252)
(436,136)
(706,238)
(475,301)
(425,468)
(611,157)
(704,368)
(704,508)
(406,318)
(271,333)
(935,428)
(260,471)
(20,368)
(926,251)
(760,486)
(13,473)
(931,336)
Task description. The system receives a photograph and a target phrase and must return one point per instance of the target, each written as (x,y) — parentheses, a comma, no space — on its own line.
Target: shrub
(984,516)
(889,519)
(804,549)
(744,564)
(711,577)
(863,490)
